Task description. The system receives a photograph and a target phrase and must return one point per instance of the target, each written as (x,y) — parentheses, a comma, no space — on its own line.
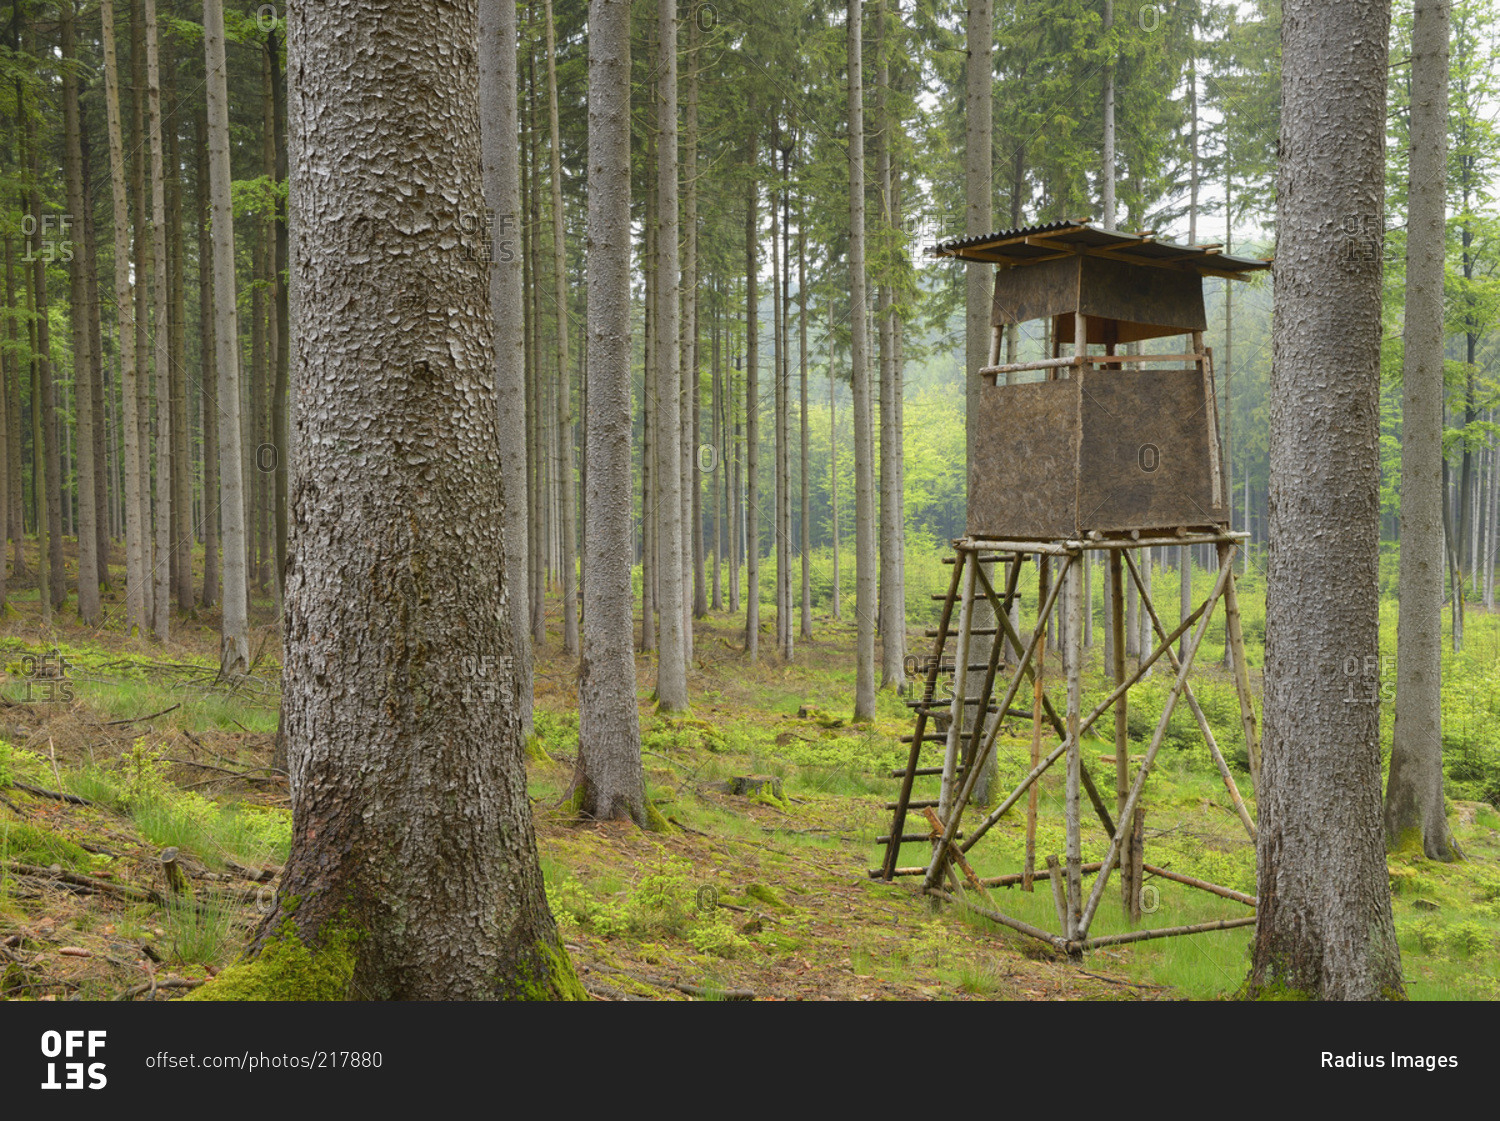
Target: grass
(798,915)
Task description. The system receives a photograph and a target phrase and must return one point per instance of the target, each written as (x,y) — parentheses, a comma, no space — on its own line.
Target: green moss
(1277,991)
(31,844)
(655,821)
(287,969)
(536,750)
(556,980)
(763,894)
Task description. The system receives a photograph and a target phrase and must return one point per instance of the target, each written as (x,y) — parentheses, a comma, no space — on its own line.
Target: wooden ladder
(895,838)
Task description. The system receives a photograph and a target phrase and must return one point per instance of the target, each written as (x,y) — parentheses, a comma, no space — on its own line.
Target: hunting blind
(1083,448)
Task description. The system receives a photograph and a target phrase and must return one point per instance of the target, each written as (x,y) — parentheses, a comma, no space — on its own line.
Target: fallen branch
(75,799)
(152,985)
(62,875)
(1118,981)
(690,990)
(143,719)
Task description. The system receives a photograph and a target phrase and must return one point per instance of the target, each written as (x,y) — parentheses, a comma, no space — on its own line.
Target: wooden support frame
(966,752)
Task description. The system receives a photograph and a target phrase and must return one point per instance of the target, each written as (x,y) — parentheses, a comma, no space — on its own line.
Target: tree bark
(208,380)
(1319,797)
(502,176)
(397,585)
(752,424)
(89,609)
(162,572)
(1414,810)
(234,653)
(864,436)
(609,781)
(565,484)
(135,562)
(671,663)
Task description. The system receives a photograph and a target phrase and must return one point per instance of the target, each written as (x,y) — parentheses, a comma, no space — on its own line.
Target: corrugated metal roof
(1030,244)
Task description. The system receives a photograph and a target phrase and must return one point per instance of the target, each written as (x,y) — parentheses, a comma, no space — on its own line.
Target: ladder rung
(940,597)
(924,771)
(879,873)
(909,838)
(923,805)
(973,631)
(928,737)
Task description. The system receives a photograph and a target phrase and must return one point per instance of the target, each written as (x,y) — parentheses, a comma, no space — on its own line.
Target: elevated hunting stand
(1087,450)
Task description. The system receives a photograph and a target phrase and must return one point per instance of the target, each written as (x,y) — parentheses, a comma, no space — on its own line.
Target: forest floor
(114,749)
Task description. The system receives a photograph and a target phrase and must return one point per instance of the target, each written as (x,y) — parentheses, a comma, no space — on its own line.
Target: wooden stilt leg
(1122,720)
(1241,674)
(1073,640)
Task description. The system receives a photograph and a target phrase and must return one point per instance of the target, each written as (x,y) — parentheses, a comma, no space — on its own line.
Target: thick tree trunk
(399,574)
(502,176)
(1414,811)
(1319,796)
(609,781)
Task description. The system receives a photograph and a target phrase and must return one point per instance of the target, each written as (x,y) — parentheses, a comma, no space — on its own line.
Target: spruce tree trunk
(1319,795)
(567,529)
(186,527)
(135,557)
(502,174)
(142,289)
(208,380)
(234,654)
(89,609)
(671,663)
(892,610)
(1414,810)
(161,336)
(752,425)
(864,435)
(609,781)
(397,583)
